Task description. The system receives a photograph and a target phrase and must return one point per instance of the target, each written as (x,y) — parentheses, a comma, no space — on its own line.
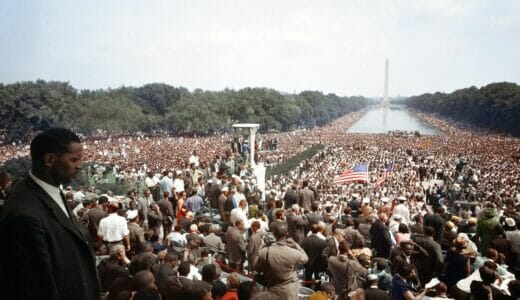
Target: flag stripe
(358,173)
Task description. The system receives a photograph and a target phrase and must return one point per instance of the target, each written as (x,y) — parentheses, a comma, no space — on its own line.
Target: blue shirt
(194,203)
(399,288)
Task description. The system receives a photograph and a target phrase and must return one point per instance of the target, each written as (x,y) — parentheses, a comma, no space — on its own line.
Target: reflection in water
(384,119)
(385,116)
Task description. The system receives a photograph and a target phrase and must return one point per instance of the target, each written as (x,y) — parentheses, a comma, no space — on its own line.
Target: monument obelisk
(385,94)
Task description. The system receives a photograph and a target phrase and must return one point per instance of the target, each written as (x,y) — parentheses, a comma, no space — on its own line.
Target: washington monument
(385,94)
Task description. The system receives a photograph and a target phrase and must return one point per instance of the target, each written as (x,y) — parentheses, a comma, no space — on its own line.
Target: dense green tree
(495,106)
(32,106)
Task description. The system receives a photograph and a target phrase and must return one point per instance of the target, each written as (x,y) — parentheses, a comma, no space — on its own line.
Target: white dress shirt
(53,191)
(113,228)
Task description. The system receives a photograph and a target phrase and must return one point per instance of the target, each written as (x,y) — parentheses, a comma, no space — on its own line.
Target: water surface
(384,119)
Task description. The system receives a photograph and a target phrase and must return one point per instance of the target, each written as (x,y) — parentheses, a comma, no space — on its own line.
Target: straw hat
(460,242)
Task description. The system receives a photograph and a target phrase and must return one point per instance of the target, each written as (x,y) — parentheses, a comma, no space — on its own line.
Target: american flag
(382,179)
(358,173)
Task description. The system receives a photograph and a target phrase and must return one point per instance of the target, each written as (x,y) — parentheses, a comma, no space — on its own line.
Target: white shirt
(194,160)
(78,196)
(194,273)
(149,182)
(238,214)
(52,191)
(178,238)
(178,184)
(403,211)
(113,228)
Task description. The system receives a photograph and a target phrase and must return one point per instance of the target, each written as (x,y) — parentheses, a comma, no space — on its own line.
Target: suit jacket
(93,217)
(330,249)
(376,294)
(296,227)
(273,224)
(306,197)
(313,246)
(428,266)
(162,272)
(364,230)
(213,242)
(236,245)
(343,275)
(314,218)
(279,268)
(354,237)
(46,255)
(381,241)
(221,202)
(166,208)
(290,198)
(438,224)
(109,269)
(417,228)
(254,243)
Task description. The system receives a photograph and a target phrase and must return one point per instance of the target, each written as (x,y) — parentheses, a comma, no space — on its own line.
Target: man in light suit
(278,262)
(306,196)
(212,241)
(47,254)
(236,244)
(344,271)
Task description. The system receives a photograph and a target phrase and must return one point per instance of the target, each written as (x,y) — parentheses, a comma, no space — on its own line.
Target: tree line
(495,106)
(26,107)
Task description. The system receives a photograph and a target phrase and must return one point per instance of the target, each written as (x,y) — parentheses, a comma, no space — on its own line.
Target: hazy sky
(331,46)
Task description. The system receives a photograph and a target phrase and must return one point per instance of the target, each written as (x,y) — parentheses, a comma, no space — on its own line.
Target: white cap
(372,277)
(510,222)
(397,217)
(224,189)
(355,195)
(402,198)
(366,200)
(385,199)
(131,214)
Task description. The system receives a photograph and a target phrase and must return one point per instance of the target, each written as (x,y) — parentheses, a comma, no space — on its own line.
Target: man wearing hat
(136,233)
(373,292)
(513,236)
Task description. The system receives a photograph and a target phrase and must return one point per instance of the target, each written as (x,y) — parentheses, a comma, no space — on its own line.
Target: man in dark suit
(291,196)
(373,292)
(46,254)
(437,222)
(296,223)
(431,265)
(313,246)
(380,234)
(332,245)
(314,216)
(94,216)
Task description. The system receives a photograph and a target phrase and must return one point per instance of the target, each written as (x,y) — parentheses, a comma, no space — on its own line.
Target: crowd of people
(438,217)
